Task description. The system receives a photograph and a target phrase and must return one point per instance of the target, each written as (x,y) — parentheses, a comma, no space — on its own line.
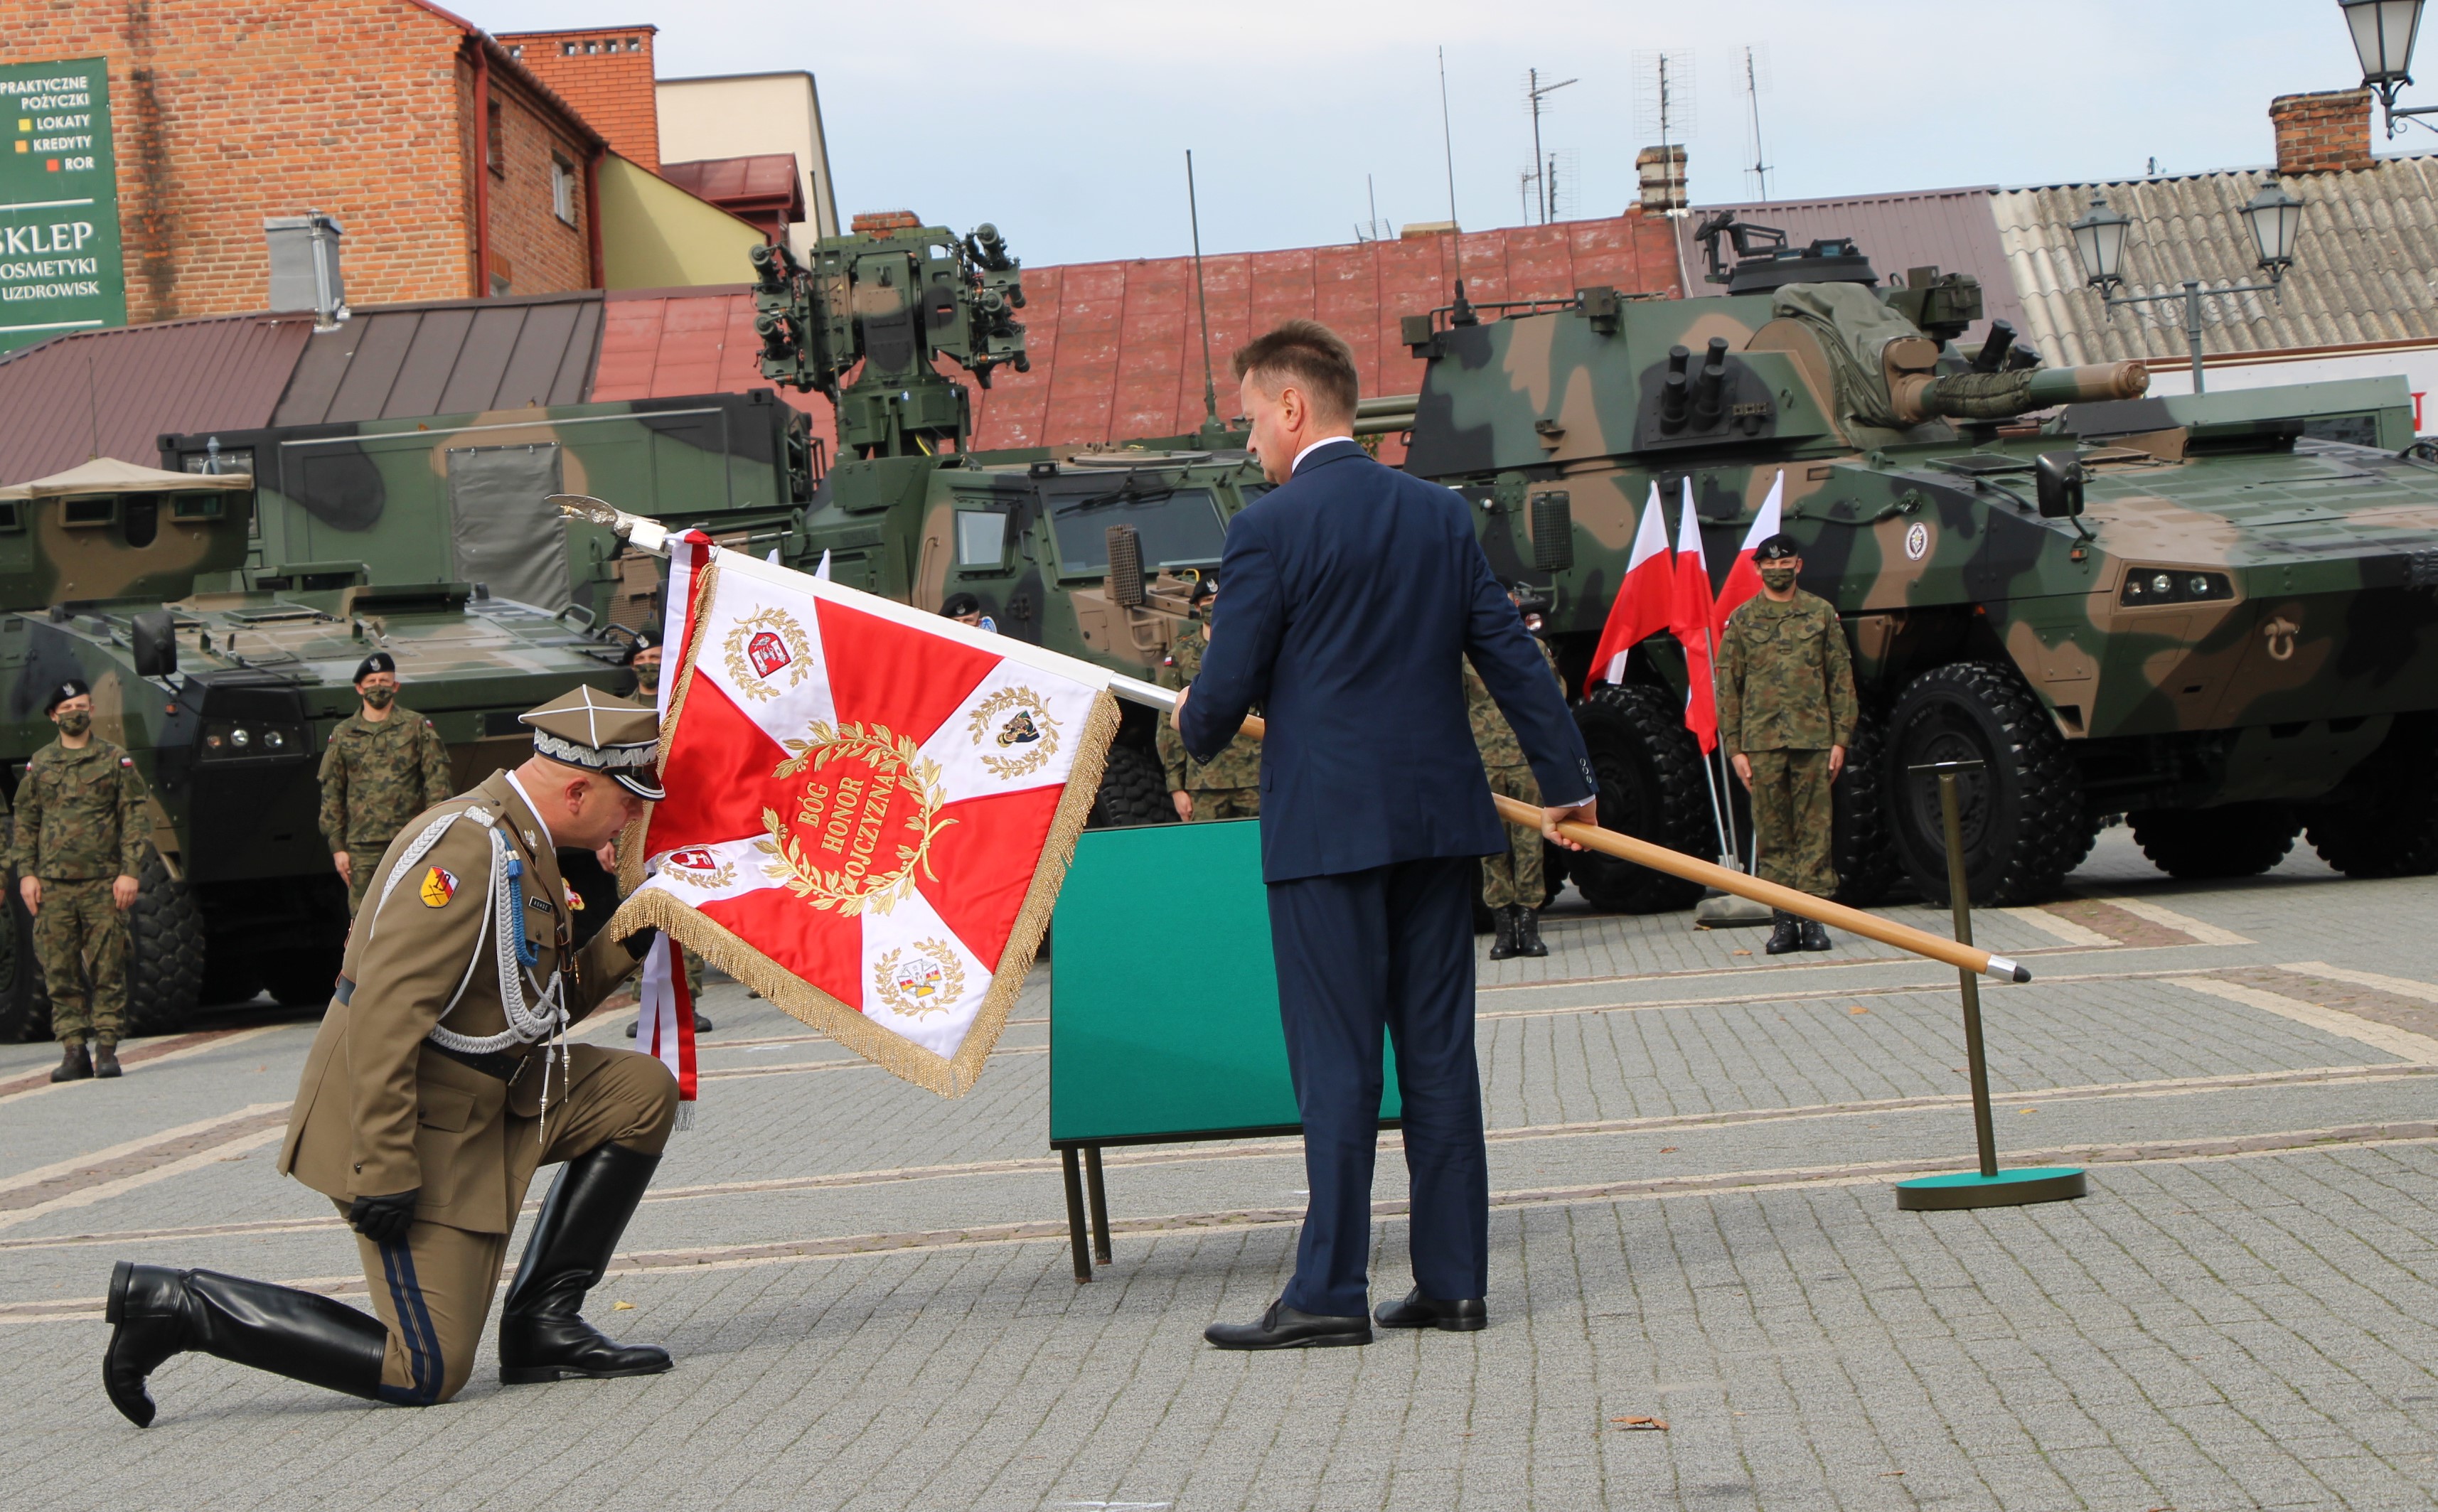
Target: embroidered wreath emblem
(929,980)
(1013,731)
(761,646)
(699,868)
(863,823)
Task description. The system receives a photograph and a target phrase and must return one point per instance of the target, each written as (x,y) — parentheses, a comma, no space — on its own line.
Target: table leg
(1100,1199)
(1076,1216)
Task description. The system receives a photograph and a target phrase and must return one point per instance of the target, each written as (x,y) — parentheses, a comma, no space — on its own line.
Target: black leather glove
(639,944)
(383,1219)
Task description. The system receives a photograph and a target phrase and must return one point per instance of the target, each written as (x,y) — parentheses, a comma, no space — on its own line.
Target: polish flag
(1743,578)
(664,1010)
(870,810)
(1691,622)
(1646,599)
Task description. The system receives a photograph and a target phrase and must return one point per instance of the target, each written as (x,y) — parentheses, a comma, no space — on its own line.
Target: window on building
(562,188)
(495,150)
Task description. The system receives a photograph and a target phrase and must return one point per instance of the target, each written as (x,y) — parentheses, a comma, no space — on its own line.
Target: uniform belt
(491,1063)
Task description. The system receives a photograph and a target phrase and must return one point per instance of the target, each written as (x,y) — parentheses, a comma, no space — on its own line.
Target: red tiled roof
(1116,347)
(116,391)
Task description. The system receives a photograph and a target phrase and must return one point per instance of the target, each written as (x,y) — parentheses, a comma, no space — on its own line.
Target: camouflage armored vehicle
(465,497)
(2216,616)
(1090,551)
(225,697)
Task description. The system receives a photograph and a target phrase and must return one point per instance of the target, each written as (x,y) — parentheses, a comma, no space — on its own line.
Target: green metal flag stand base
(1988,1187)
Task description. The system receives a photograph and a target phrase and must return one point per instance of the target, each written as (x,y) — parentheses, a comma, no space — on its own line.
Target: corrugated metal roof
(669,343)
(743,184)
(115,392)
(448,356)
(1950,229)
(2363,268)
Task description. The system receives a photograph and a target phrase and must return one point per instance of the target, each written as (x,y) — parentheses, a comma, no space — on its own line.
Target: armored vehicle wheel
(2023,814)
(164,959)
(1134,790)
(2234,840)
(24,1006)
(1650,772)
(1859,846)
(2387,823)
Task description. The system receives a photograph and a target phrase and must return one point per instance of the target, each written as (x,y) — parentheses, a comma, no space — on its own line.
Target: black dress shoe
(1283,1328)
(1418,1312)
(1787,936)
(1815,935)
(75,1065)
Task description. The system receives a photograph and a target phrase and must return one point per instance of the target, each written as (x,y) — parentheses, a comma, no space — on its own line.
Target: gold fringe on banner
(950,1077)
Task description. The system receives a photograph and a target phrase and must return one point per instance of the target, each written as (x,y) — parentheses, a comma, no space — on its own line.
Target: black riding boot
(542,1336)
(1815,935)
(1787,937)
(1527,932)
(155,1312)
(1504,946)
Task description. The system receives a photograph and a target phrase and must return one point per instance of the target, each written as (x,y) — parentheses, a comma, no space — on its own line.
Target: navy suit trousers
(1358,953)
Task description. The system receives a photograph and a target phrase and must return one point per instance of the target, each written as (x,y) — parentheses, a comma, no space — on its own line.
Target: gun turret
(884,303)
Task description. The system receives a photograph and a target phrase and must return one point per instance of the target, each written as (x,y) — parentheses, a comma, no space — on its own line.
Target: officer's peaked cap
(601,732)
(1777,547)
(62,692)
(378,662)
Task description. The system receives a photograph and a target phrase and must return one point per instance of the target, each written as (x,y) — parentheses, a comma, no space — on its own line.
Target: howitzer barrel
(2000,395)
(2127,380)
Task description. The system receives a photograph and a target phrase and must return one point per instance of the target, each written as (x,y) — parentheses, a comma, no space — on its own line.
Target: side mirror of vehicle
(2059,479)
(153,640)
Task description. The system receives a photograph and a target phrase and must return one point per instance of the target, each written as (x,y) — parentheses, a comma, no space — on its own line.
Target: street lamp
(2384,31)
(2276,221)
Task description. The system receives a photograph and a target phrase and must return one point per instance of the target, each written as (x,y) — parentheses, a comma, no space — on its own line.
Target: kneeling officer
(419,1108)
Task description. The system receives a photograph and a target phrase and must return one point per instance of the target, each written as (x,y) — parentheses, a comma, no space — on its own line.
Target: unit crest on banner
(697,867)
(863,820)
(761,646)
(923,977)
(1015,732)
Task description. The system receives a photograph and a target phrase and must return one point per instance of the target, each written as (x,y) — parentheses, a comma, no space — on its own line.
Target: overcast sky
(1065,121)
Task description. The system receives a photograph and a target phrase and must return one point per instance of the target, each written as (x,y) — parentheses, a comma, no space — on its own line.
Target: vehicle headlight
(274,740)
(240,737)
(2145,586)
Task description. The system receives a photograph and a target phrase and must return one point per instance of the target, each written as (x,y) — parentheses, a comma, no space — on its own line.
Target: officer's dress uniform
(439,1072)
(1227,786)
(81,826)
(1786,694)
(1513,885)
(376,777)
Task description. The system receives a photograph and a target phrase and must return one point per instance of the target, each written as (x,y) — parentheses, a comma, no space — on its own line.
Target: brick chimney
(1662,172)
(2328,132)
(606,74)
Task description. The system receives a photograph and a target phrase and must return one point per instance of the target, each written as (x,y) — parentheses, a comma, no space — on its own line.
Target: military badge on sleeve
(439,886)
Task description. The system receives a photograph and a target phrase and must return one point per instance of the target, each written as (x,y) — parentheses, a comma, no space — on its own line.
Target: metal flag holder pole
(1988,1186)
(1726,910)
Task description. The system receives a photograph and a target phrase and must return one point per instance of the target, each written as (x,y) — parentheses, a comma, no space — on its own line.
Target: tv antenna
(1534,92)
(1757,79)
(1371,230)
(1664,105)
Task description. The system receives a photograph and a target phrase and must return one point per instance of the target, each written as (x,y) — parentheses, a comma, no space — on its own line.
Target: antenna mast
(1202,300)
(1751,98)
(1455,229)
(1534,92)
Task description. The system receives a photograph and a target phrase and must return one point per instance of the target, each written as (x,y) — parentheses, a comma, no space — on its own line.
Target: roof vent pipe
(305,267)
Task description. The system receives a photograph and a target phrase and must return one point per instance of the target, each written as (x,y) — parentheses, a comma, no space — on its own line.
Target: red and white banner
(1645,599)
(1691,622)
(1744,575)
(870,809)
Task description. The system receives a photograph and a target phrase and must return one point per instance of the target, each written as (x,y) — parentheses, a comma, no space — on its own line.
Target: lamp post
(2276,221)
(2383,32)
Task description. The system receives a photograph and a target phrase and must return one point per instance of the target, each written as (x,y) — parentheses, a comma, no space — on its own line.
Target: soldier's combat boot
(1815,935)
(155,1312)
(105,1059)
(1527,932)
(1503,947)
(75,1065)
(1787,937)
(542,1333)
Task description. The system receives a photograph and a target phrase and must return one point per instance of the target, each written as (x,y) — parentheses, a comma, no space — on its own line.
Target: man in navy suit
(1353,591)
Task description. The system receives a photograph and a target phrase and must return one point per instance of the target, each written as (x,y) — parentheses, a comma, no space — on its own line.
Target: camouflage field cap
(1778,548)
(601,732)
(378,662)
(63,690)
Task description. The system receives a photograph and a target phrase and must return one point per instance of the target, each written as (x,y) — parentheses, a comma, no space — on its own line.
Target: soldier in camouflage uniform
(1786,715)
(1512,886)
(384,766)
(79,848)
(1229,787)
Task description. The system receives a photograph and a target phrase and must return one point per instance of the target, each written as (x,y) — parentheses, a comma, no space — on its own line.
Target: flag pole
(650,535)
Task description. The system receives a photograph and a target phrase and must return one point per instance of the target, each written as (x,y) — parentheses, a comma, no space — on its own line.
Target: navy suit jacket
(1351,590)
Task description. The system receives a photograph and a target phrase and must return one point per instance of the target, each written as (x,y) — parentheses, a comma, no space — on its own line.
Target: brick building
(453,168)
(606,74)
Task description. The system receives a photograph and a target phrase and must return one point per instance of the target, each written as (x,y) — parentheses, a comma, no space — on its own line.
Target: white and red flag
(870,808)
(1691,624)
(1743,576)
(1646,597)
(664,1013)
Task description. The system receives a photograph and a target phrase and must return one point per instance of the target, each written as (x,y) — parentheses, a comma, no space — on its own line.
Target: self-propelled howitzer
(2214,615)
